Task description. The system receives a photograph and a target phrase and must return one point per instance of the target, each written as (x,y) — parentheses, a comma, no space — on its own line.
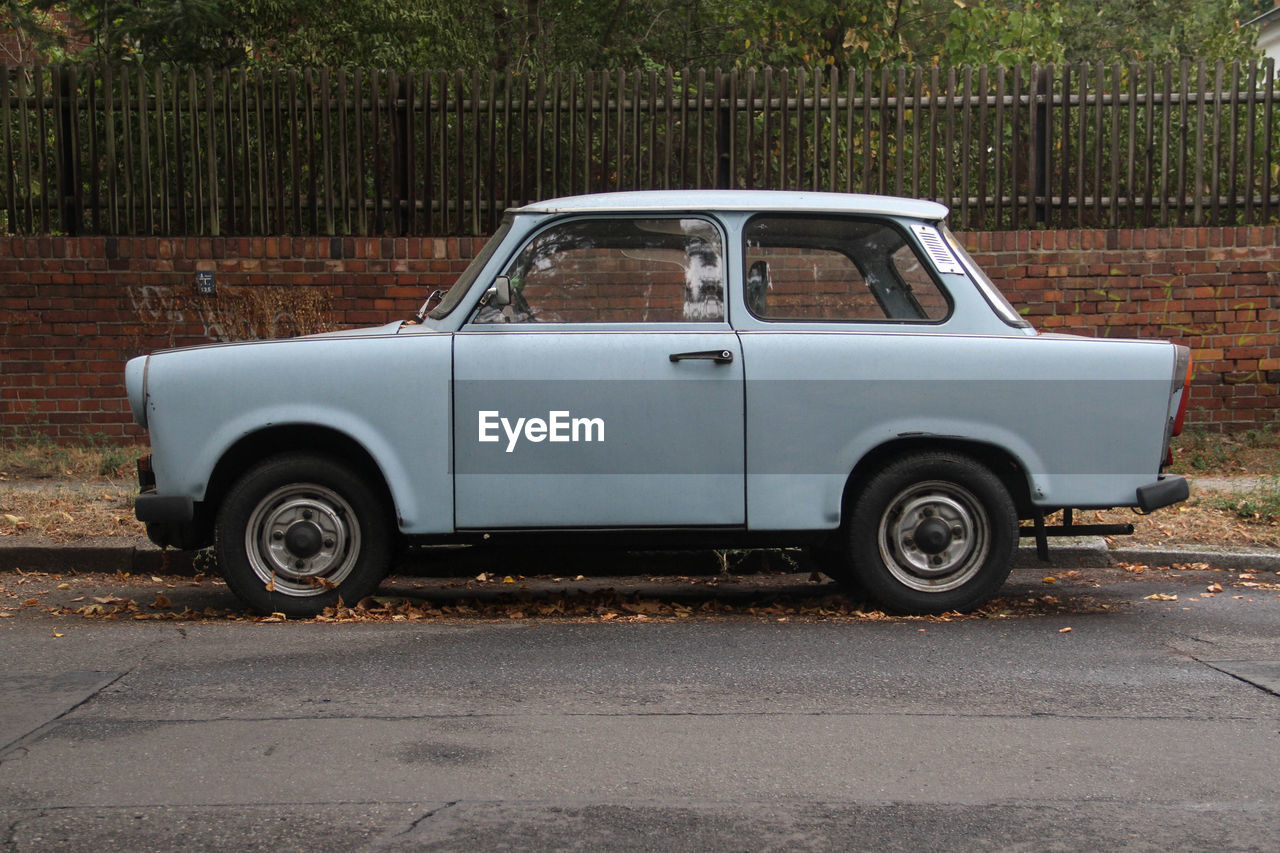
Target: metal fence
(167,150)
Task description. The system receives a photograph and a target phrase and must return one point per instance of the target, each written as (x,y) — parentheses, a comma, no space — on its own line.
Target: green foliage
(1125,30)
(991,32)
(185,31)
(822,32)
(591,34)
(365,33)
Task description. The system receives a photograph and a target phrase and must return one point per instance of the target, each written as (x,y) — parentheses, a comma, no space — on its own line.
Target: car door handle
(719,356)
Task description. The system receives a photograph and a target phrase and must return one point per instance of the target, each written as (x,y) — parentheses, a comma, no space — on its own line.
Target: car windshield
(468,277)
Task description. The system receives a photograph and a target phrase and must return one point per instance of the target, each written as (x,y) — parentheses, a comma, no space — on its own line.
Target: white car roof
(749,200)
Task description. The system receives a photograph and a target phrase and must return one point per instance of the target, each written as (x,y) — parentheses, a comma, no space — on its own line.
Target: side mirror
(499,293)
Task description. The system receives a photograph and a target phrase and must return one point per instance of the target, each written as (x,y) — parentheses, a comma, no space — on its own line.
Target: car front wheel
(931,533)
(299,532)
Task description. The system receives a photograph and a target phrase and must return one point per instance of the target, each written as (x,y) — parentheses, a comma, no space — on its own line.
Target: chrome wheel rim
(302,539)
(934,536)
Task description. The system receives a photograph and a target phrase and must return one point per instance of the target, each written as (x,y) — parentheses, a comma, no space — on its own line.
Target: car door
(609,392)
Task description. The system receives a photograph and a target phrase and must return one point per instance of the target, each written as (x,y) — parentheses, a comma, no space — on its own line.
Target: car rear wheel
(299,532)
(932,532)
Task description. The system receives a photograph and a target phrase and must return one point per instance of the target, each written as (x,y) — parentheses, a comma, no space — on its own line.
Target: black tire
(932,533)
(300,531)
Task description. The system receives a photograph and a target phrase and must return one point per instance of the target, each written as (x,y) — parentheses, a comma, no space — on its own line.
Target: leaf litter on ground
(688,599)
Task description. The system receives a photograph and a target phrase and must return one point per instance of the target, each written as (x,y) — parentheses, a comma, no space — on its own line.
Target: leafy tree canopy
(581,34)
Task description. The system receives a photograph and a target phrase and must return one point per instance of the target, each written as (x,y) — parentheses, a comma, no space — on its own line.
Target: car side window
(616,270)
(837,268)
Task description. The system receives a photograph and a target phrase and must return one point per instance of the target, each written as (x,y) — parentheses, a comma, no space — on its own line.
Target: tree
(115,30)
(593,34)
(1007,31)
(991,32)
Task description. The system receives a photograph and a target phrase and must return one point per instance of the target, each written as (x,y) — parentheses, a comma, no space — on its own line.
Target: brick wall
(74,309)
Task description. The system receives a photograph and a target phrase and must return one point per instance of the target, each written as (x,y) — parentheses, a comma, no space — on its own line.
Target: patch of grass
(1256,452)
(1262,503)
(1197,451)
(92,458)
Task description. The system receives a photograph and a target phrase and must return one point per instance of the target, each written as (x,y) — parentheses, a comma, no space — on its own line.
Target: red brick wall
(73,309)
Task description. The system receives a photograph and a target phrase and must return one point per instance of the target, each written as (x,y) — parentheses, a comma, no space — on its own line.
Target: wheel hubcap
(302,539)
(934,536)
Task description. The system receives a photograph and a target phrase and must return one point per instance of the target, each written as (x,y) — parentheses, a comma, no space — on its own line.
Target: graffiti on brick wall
(234,314)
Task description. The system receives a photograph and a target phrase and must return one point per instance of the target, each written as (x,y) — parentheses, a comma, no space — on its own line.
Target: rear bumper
(1169,489)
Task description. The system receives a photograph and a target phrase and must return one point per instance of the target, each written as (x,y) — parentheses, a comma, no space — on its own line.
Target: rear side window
(837,269)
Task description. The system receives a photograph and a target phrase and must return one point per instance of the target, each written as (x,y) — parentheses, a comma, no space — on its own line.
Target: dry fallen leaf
(1214,587)
(1050,579)
(162,602)
(1161,596)
(64,586)
(1065,630)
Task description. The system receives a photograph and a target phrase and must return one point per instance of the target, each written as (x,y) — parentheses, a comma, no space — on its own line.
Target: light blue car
(659,369)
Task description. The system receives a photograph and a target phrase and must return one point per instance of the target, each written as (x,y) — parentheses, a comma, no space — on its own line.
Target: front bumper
(152,508)
(1169,489)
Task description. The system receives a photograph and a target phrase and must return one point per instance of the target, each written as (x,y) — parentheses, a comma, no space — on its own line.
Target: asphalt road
(1150,725)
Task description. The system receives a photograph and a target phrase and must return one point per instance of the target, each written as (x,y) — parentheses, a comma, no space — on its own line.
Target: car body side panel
(389,393)
(1085,419)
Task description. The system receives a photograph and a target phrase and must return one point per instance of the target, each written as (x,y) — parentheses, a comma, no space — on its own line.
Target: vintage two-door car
(661,369)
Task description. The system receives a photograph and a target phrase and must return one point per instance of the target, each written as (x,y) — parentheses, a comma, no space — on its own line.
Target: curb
(1221,558)
(132,556)
(141,557)
(1092,552)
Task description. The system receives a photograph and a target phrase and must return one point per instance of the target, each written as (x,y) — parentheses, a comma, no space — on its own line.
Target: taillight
(1181,416)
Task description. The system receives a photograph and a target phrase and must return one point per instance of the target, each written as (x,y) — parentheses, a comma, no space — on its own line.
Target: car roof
(738,200)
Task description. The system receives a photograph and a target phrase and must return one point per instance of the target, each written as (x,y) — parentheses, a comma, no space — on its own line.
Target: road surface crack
(1263,675)
(409,830)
